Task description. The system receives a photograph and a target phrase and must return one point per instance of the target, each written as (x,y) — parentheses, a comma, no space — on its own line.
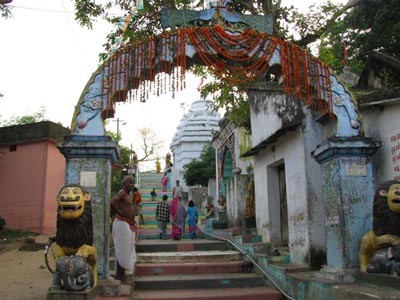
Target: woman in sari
(192,219)
(178,215)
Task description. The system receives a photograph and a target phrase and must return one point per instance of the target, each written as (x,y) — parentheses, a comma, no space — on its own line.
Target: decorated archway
(235,47)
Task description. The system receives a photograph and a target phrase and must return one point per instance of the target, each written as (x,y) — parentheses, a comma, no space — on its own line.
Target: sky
(47,59)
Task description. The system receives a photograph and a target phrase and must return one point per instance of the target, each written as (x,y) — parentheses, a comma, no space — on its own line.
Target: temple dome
(194,131)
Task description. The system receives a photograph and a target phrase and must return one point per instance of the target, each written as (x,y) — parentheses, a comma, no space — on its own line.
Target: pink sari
(178,215)
(164,182)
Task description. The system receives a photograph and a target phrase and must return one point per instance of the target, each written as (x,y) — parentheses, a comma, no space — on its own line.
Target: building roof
(33,132)
(380,71)
(380,80)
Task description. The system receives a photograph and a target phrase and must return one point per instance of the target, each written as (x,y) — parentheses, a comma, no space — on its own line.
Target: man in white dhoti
(124,231)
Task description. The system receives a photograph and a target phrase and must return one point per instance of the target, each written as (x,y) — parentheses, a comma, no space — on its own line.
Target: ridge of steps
(255,293)
(193,267)
(197,281)
(188,256)
(177,270)
(182,245)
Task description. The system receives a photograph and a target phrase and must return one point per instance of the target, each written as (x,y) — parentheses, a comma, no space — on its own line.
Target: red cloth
(131,223)
(138,197)
(164,180)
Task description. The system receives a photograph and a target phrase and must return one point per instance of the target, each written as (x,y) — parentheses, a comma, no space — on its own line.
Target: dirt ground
(24,275)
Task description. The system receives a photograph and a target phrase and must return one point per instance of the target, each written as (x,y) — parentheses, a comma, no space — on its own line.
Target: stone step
(149,181)
(147,197)
(145,192)
(193,268)
(113,291)
(154,234)
(153,225)
(190,256)
(150,220)
(198,281)
(151,215)
(255,293)
(181,245)
(365,292)
(248,238)
(231,232)
(274,254)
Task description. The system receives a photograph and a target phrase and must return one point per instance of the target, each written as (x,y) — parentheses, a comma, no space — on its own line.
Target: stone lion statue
(74,239)
(73,273)
(386,223)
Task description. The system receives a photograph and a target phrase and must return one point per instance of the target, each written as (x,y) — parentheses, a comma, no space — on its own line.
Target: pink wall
(30,178)
(54,182)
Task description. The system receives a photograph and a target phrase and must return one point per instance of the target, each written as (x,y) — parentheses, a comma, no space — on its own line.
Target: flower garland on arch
(158,65)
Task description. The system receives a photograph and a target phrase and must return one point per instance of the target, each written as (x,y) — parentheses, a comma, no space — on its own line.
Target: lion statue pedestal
(76,272)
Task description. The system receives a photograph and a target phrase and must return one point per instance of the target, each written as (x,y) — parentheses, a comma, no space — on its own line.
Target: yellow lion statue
(386,222)
(74,238)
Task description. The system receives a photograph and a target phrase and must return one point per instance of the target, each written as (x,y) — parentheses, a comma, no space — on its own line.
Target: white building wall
(314,134)
(383,125)
(306,219)
(290,151)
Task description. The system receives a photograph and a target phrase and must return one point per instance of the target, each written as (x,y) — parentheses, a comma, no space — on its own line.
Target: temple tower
(195,130)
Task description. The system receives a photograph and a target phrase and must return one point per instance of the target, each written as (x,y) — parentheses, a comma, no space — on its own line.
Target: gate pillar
(88,163)
(348,186)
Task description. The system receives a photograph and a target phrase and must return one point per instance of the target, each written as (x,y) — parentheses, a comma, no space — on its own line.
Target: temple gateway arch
(236,48)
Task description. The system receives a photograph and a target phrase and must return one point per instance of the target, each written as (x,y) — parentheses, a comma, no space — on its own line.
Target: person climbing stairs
(187,269)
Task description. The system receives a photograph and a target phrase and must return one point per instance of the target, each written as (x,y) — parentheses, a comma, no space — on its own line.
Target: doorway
(277,203)
(283,204)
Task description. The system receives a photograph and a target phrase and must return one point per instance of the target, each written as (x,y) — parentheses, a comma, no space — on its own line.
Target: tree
(26,119)
(371,26)
(303,29)
(198,172)
(149,144)
(5,10)
(118,170)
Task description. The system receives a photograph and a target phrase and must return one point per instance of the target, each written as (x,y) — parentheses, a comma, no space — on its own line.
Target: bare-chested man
(124,231)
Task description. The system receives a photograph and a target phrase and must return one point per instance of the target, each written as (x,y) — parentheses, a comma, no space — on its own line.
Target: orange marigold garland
(234,56)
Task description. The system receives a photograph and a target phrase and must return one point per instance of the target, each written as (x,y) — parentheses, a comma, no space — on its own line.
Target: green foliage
(302,28)
(118,173)
(15,233)
(372,25)
(198,172)
(85,9)
(231,97)
(26,119)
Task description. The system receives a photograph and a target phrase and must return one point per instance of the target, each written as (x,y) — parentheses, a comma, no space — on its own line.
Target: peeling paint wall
(236,207)
(272,111)
(100,200)
(303,183)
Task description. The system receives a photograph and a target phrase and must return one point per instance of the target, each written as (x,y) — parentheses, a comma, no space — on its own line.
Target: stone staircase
(186,269)
(148,181)
(196,269)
